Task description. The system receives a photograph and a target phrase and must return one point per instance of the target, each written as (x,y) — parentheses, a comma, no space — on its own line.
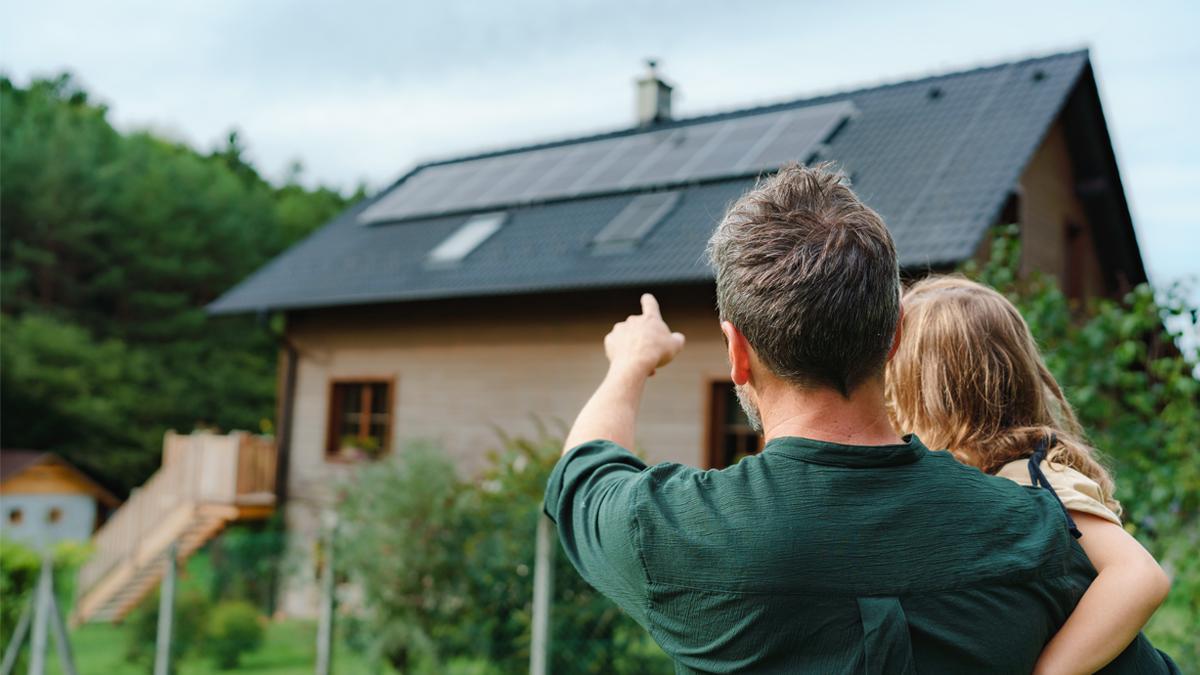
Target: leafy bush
(1136,394)
(19,568)
(246,562)
(446,569)
(235,628)
(188,627)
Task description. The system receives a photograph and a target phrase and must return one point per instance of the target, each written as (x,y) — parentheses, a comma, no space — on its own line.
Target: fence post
(166,614)
(543,590)
(41,619)
(325,621)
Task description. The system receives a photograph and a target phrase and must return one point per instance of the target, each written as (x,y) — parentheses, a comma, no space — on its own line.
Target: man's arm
(635,348)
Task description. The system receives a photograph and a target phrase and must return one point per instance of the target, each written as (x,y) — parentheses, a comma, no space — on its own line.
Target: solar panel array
(679,155)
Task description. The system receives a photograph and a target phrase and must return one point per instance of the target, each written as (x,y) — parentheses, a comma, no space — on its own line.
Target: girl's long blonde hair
(967,376)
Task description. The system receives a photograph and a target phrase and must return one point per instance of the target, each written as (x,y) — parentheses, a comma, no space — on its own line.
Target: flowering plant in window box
(357,448)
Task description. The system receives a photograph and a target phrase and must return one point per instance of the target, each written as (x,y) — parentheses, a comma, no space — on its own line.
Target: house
(44,499)
(474,292)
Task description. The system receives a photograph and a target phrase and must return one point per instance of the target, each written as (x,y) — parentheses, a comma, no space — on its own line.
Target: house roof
(936,157)
(15,462)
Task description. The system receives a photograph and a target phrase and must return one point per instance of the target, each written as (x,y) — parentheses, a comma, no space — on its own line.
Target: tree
(112,245)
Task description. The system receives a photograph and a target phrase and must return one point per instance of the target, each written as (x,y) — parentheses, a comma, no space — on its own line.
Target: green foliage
(20,566)
(246,562)
(112,245)
(1138,399)
(189,625)
(234,629)
(446,568)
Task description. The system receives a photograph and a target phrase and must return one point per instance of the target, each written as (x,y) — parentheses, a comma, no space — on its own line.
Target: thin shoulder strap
(1039,479)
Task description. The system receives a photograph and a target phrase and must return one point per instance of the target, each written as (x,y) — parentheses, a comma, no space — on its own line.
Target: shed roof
(936,157)
(15,462)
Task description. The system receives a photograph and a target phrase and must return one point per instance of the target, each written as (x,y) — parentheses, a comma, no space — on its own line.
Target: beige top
(1077,491)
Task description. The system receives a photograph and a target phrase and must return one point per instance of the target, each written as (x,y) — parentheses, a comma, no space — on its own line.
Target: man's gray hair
(808,274)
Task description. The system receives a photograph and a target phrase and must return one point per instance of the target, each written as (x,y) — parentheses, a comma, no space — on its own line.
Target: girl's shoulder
(1077,491)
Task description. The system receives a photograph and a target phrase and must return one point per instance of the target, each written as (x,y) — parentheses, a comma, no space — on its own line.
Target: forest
(112,244)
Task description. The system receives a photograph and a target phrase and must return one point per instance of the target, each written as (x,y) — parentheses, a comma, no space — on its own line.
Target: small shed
(44,499)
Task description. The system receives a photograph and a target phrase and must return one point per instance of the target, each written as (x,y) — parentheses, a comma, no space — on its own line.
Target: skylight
(634,222)
(466,238)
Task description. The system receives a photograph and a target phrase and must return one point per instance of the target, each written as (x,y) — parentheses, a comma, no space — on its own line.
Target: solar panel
(677,155)
(676,151)
(634,222)
(797,139)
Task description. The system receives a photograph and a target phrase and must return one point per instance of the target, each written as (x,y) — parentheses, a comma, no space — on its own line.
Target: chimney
(653,97)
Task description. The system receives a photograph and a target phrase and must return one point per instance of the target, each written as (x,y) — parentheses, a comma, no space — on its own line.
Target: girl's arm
(1128,587)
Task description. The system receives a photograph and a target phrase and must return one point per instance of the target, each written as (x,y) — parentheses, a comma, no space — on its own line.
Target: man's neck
(824,415)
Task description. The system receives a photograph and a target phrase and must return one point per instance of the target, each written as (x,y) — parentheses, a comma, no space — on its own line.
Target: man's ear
(739,353)
(896,337)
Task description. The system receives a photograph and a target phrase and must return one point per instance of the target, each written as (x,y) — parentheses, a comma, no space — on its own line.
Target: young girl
(968,377)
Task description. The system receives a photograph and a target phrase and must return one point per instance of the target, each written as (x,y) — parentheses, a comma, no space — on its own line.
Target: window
(465,239)
(634,222)
(54,515)
(730,437)
(360,418)
(15,516)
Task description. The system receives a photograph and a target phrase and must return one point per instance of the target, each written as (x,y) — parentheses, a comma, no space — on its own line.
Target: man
(842,547)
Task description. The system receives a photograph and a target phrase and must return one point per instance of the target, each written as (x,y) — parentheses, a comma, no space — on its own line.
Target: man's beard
(748,407)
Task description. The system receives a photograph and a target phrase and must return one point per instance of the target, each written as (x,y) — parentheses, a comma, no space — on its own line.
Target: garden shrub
(446,569)
(19,568)
(188,627)
(235,628)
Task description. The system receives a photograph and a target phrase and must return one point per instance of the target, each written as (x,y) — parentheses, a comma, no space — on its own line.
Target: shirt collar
(849,456)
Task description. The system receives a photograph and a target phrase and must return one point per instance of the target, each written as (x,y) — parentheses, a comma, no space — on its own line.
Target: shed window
(15,516)
(730,436)
(54,515)
(360,418)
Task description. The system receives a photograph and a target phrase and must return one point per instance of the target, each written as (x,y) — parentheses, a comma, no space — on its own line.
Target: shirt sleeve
(591,496)
(1077,491)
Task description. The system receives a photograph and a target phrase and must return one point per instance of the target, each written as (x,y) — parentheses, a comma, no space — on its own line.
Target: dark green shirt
(815,557)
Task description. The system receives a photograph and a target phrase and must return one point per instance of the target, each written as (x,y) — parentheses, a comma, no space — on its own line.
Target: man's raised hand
(643,342)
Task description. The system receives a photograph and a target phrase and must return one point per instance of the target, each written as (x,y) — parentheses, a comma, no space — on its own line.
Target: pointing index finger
(650,305)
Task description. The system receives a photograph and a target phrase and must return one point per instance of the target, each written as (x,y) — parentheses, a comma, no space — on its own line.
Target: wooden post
(325,621)
(166,615)
(41,619)
(543,590)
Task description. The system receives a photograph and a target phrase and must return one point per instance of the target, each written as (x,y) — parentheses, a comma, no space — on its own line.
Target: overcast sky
(359,91)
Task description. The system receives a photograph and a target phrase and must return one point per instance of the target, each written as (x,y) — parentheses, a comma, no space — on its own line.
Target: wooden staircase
(206,482)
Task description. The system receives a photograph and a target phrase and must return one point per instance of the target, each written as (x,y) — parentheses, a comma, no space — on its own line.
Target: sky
(359,91)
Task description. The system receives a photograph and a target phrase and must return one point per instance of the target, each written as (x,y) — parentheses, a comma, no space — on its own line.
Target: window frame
(333,414)
(716,409)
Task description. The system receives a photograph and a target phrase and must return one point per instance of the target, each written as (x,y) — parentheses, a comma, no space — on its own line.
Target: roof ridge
(761,108)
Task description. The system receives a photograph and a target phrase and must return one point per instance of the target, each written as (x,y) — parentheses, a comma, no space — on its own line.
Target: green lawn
(289,649)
